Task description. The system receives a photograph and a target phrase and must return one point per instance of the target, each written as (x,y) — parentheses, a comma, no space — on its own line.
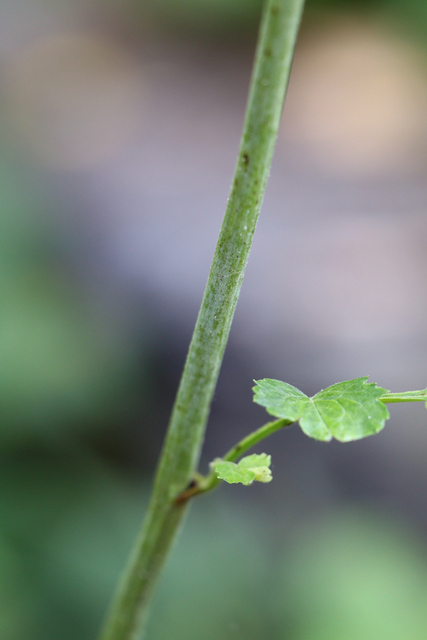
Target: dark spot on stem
(189,492)
(274,10)
(267,52)
(245,158)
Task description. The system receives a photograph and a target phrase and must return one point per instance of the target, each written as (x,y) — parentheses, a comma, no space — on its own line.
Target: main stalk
(181,450)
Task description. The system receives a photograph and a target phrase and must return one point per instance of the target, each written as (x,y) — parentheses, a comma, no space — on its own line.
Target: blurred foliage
(67,526)
(60,363)
(234,19)
(352,575)
(215,19)
(64,372)
(222,17)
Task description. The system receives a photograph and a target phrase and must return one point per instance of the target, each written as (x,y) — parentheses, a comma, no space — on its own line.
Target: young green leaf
(251,468)
(345,411)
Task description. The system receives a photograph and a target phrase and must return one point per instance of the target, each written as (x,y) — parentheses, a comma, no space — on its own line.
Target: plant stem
(405,396)
(253,438)
(186,429)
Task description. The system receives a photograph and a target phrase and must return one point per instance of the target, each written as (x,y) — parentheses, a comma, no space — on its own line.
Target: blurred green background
(120,123)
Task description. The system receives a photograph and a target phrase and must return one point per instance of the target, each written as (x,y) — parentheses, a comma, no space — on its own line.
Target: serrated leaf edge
(257,389)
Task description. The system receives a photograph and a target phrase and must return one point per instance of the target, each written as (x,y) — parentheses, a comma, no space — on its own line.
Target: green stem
(253,438)
(405,396)
(186,429)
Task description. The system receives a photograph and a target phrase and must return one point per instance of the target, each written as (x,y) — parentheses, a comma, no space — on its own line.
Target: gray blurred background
(120,123)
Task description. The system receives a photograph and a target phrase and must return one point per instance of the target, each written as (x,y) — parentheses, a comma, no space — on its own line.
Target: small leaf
(255,460)
(230,472)
(251,468)
(346,411)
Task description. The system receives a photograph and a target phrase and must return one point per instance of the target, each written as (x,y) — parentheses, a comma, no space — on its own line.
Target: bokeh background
(120,122)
